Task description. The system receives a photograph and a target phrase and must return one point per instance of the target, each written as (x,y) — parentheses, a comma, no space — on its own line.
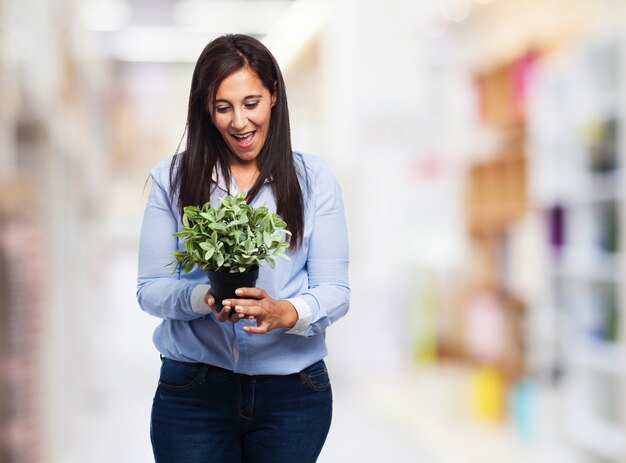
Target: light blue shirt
(315,281)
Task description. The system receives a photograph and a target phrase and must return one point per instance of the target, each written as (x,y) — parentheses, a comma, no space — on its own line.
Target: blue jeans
(205,414)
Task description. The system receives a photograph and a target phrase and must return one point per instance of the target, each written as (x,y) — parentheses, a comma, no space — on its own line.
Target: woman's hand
(269,313)
(226,314)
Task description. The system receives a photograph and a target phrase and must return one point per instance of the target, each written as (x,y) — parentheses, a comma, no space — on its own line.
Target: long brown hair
(191,171)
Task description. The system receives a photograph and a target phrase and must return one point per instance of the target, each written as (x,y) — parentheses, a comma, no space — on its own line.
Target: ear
(274,95)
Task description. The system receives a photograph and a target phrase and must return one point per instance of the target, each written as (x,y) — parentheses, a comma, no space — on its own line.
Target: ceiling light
(224,16)
(296,28)
(455,10)
(103,15)
(158,44)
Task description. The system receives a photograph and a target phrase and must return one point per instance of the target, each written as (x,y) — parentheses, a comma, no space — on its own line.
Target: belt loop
(203,373)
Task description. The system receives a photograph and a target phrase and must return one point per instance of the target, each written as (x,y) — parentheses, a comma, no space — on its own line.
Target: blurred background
(480,147)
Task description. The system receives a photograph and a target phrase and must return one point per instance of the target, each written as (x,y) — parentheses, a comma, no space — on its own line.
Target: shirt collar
(219,180)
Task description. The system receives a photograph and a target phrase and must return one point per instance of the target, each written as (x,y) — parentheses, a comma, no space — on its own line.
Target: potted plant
(229,242)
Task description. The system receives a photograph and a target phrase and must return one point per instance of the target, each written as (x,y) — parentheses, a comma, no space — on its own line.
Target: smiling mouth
(244,140)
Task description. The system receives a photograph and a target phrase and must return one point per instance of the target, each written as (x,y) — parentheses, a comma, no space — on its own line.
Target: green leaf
(206,245)
(217,226)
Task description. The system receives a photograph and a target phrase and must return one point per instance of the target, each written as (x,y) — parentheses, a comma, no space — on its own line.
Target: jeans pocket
(316,376)
(178,377)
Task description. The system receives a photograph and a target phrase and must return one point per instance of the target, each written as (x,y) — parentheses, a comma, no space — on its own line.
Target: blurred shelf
(592,266)
(431,407)
(599,437)
(18,196)
(577,150)
(605,186)
(599,355)
(595,187)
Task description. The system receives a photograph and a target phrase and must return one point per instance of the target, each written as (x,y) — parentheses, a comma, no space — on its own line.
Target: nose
(239,120)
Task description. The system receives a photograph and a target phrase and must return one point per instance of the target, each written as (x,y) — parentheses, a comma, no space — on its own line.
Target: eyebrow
(222,100)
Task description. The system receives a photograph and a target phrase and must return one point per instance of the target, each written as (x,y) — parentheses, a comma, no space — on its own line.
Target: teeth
(241,137)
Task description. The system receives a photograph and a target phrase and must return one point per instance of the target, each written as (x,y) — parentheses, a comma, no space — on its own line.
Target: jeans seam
(186,387)
(317,373)
(311,377)
(198,379)
(318,389)
(203,373)
(240,411)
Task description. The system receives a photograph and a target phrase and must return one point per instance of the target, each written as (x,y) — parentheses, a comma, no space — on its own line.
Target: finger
(220,316)
(224,314)
(253,311)
(209,299)
(262,328)
(256,293)
(239,302)
(234,317)
(231,315)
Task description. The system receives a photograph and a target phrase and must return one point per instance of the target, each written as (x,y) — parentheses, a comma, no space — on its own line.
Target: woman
(247,384)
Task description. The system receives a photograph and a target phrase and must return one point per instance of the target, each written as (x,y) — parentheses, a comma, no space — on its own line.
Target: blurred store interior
(479,146)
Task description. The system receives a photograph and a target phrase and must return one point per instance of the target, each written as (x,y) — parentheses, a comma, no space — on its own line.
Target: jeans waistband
(231,374)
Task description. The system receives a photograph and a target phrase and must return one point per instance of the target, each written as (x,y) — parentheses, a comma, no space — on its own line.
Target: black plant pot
(224,284)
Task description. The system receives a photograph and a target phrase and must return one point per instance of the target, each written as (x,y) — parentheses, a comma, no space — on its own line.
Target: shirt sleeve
(328,296)
(160,291)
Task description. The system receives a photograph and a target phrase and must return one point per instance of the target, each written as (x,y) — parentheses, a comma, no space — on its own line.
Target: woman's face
(241,113)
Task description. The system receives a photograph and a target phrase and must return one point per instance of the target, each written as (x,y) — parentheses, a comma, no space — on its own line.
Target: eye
(221,108)
(252,104)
